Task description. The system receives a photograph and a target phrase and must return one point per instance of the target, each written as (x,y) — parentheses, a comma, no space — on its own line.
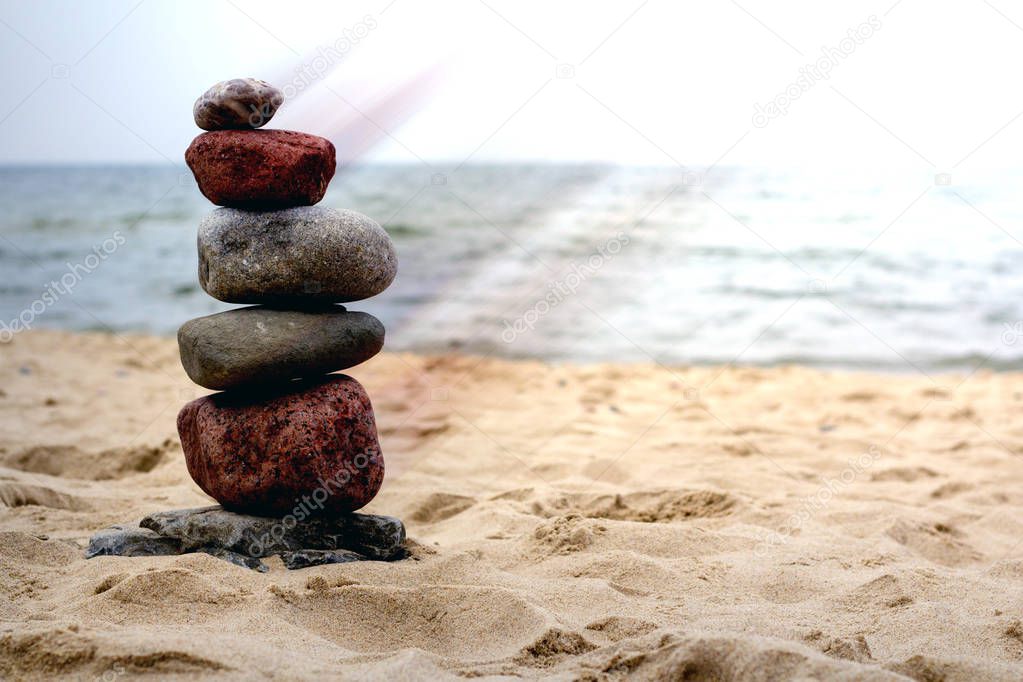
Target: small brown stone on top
(237,104)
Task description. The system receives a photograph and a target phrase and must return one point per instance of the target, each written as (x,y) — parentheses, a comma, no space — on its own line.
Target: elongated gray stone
(261,345)
(294,256)
(304,558)
(375,537)
(130,541)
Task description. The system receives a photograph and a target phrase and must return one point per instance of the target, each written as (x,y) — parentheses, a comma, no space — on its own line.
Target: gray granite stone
(130,541)
(304,558)
(237,104)
(294,256)
(258,345)
(375,537)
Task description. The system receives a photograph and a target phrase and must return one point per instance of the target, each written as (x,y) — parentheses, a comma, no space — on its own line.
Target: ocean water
(874,270)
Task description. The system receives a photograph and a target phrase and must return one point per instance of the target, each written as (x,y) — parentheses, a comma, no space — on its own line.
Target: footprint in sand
(937,542)
(950,490)
(617,628)
(448,620)
(69,461)
(554,645)
(861,397)
(849,648)
(440,506)
(627,572)
(38,652)
(15,494)
(656,506)
(886,591)
(904,474)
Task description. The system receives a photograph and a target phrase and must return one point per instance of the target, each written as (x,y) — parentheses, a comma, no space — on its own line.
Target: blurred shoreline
(743,266)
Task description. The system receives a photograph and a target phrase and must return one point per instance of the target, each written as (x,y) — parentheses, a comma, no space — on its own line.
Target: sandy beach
(566,521)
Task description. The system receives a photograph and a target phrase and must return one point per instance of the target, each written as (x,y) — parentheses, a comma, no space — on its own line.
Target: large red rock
(257,169)
(309,450)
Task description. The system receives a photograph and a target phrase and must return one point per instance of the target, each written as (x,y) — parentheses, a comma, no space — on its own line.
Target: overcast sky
(932,86)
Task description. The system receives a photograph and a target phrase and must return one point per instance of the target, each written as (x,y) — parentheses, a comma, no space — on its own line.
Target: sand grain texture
(574,522)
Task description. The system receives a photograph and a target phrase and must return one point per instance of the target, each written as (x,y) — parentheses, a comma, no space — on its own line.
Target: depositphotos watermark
(327,57)
(809,506)
(813,73)
(1012,333)
(306,506)
(109,675)
(559,290)
(64,286)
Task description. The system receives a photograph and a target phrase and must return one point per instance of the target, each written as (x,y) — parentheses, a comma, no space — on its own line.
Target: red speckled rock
(261,168)
(276,453)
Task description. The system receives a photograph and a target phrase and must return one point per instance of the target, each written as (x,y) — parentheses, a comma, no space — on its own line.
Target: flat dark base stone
(131,541)
(243,540)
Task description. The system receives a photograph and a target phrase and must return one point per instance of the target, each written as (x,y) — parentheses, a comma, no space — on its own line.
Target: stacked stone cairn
(289,450)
